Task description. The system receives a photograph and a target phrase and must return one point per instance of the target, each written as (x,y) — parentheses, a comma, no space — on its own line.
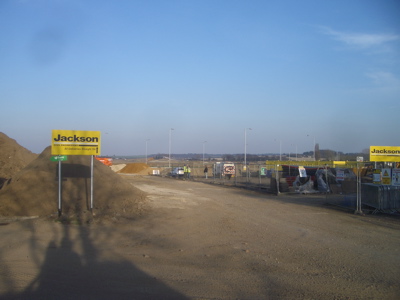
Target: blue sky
(293,71)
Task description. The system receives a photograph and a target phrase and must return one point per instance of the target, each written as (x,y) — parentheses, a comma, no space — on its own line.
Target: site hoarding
(396,177)
(386,176)
(340,175)
(75,142)
(302,171)
(384,153)
(377,176)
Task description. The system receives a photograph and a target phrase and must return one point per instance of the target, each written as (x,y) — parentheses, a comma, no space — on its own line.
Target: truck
(226,169)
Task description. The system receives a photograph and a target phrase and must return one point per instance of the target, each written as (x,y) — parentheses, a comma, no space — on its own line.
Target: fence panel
(338,181)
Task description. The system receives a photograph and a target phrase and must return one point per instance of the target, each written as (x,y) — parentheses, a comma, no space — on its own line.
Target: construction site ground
(200,241)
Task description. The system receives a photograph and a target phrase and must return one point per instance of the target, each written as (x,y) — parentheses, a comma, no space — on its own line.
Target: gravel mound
(13,158)
(34,191)
(137,168)
(118,167)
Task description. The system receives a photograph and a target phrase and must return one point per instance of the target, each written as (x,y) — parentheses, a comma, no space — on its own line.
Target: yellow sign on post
(384,153)
(75,142)
(377,176)
(387,176)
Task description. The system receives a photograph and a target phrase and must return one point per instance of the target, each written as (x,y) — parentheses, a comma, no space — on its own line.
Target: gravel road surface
(201,241)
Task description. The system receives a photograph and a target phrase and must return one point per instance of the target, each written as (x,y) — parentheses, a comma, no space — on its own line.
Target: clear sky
(293,71)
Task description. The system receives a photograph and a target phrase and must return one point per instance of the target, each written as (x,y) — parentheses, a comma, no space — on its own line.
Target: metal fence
(254,175)
(274,175)
(381,197)
(347,184)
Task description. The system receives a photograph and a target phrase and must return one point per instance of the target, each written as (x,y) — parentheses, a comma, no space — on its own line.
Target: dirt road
(199,241)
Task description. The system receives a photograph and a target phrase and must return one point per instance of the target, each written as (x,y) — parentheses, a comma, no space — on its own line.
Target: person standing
(188,171)
(206,172)
(185,171)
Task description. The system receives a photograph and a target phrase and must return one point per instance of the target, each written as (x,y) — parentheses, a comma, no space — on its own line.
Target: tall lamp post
(203,150)
(245,146)
(169,153)
(146,149)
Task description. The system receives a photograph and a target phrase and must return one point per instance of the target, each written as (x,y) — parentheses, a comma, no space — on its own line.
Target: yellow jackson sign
(75,142)
(384,153)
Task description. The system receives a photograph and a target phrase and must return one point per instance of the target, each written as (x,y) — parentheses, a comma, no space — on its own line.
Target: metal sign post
(59,158)
(358,210)
(59,189)
(91,184)
(74,142)
(277,180)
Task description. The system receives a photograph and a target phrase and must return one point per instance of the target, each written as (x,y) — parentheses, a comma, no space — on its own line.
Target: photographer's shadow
(65,274)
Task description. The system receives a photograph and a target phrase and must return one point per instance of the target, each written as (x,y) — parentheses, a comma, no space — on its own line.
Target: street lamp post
(245,146)
(146,149)
(169,153)
(203,150)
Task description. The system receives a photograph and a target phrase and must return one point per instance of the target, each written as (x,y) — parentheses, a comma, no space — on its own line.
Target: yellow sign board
(387,176)
(384,153)
(377,176)
(75,142)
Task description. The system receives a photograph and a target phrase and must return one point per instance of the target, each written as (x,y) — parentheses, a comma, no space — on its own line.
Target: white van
(177,172)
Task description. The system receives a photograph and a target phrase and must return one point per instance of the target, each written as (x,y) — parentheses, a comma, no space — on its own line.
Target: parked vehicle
(177,172)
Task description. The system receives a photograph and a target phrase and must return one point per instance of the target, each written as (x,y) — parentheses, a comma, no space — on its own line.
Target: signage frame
(396,177)
(384,153)
(386,176)
(59,158)
(75,142)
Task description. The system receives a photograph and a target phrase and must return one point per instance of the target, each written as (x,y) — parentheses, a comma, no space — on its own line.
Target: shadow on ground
(65,274)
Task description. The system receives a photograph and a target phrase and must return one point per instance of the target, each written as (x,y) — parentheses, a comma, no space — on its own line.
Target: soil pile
(137,168)
(34,191)
(117,168)
(13,158)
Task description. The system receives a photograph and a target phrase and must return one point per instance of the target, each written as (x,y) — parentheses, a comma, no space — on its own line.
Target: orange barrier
(105,160)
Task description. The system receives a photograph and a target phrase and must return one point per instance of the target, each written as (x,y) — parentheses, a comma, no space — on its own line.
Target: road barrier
(384,198)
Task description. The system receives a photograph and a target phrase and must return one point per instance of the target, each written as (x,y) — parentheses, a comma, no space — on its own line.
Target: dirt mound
(118,167)
(13,157)
(134,168)
(34,191)
(137,168)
